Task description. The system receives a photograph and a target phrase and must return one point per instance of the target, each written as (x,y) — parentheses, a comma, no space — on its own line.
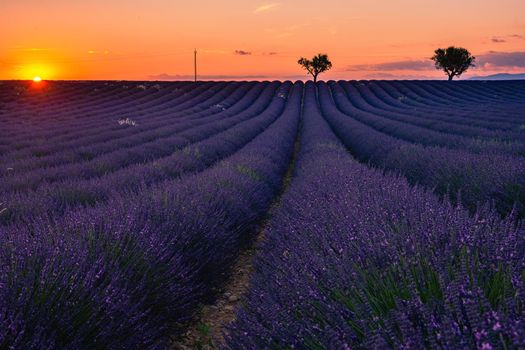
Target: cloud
(92,52)
(419,65)
(266,7)
(242,53)
(35,49)
(498,40)
(271,53)
(505,38)
(494,59)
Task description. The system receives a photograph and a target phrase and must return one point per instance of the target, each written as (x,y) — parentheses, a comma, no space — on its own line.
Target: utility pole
(195,63)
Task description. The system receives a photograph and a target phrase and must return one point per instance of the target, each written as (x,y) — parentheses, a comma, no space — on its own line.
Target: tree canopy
(454,61)
(318,64)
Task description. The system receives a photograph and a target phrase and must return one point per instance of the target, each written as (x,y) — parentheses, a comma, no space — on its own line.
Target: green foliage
(204,328)
(248,171)
(85,155)
(204,338)
(454,61)
(498,286)
(69,195)
(382,289)
(318,64)
(312,344)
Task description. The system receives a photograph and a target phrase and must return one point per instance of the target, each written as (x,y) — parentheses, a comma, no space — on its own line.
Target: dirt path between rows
(206,332)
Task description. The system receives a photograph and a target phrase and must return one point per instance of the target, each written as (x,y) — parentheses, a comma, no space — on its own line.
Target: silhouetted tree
(453,60)
(317,65)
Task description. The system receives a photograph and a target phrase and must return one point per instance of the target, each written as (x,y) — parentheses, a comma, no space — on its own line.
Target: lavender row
(466,92)
(60,102)
(57,103)
(403,129)
(475,91)
(106,127)
(492,116)
(478,178)
(59,94)
(427,93)
(108,135)
(425,101)
(152,132)
(364,98)
(378,264)
(80,122)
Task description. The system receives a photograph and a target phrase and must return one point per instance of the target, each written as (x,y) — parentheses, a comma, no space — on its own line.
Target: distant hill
(501,76)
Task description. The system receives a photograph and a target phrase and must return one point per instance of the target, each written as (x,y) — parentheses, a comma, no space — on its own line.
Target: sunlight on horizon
(36,72)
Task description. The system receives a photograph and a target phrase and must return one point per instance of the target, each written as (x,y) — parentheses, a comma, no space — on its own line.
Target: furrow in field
(206,331)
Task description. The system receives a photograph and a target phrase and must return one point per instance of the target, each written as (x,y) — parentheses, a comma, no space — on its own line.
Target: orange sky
(246,39)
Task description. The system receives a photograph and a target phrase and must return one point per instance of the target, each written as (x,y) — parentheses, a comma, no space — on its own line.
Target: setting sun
(37,79)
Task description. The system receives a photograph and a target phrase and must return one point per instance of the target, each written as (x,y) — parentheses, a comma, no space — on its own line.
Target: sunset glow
(37,79)
(29,70)
(253,40)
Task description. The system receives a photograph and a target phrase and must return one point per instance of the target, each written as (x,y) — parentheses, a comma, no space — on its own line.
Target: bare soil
(206,332)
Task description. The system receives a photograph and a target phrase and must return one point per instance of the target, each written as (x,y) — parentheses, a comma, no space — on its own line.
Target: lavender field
(391,213)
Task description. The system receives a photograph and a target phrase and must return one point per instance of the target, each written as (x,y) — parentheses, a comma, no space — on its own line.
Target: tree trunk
(450,77)
(315,78)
